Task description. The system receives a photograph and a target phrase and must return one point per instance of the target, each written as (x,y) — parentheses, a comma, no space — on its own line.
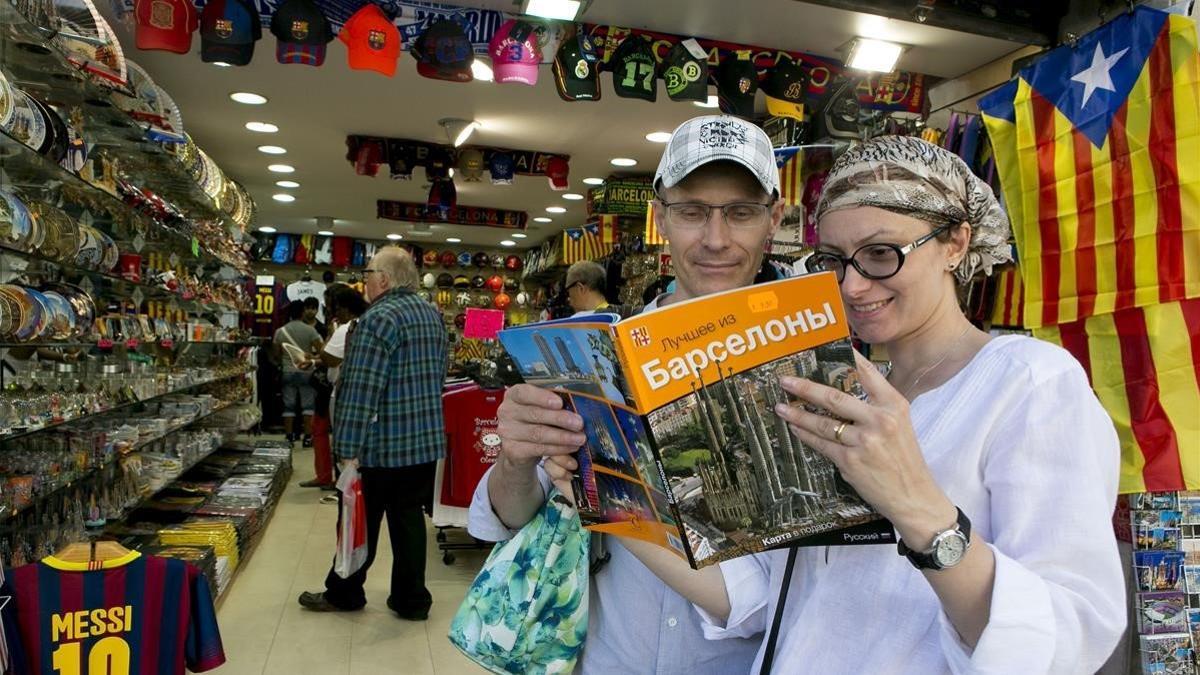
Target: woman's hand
(875,448)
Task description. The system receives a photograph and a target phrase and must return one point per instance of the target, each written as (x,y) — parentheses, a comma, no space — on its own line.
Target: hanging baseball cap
(557,171)
(712,138)
(576,68)
(502,167)
(737,82)
(228,31)
(165,24)
(438,163)
(634,67)
(443,198)
(785,88)
(444,52)
(515,52)
(470,164)
(301,31)
(685,71)
(372,40)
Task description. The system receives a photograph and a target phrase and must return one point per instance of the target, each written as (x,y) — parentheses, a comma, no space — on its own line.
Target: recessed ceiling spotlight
(324,233)
(572,196)
(623,161)
(555,209)
(281,168)
(543,219)
(262,127)
(874,55)
(710,103)
(272,150)
(266,228)
(519,235)
(453,240)
(283,197)
(508,242)
(395,236)
(593,181)
(458,131)
(482,71)
(658,136)
(249,98)
(287,183)
(222,64)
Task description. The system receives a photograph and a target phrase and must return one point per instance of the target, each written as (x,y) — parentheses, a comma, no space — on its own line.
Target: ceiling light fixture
(710,103)
(395,236)
(593,181)
(518,235)
(287,183)
(453,240)
(482,71)
(458,131)
(555,209)
(873,55)
(658,136)
(563,10)
(272,150)
(281,168)
(572,196)
(623,161)
(266,228)
(222,64)
(249,98)
(283,197)
(324,233)
(508,242)
(543,219)
(262,127)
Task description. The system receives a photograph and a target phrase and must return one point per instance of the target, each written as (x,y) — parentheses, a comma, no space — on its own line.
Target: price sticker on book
(763,302)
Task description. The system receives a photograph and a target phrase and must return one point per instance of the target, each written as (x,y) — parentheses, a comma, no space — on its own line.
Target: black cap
(228,31)
(576,69)
(634,68)
(737,82)
(444,52)
(302,32)
(785,88)
(685,74)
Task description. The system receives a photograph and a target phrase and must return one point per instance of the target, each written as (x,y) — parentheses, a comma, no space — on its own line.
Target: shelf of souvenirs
(119,206)
(40,473)
(43,400)
(107,112)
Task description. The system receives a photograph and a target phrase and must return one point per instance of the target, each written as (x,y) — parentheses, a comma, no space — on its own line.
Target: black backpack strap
(773,635)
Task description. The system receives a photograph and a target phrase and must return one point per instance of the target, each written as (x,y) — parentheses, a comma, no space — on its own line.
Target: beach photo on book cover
(737,473)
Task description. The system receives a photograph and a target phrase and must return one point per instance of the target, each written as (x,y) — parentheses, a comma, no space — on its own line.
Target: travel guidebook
(684,448)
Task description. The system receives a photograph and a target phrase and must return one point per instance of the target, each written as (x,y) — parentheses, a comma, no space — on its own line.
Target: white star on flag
(1097,75)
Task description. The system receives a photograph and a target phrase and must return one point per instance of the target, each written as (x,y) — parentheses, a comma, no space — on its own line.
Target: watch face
(950,549)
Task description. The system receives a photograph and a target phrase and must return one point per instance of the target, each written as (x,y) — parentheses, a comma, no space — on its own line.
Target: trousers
(400,494)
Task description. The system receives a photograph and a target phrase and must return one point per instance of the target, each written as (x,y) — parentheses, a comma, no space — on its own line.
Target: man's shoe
(307,442)
(316,602)
(329,487)
(329,499)
(409,614)
(317,484)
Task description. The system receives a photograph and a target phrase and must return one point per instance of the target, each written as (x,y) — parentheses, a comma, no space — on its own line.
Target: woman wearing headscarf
(990,455)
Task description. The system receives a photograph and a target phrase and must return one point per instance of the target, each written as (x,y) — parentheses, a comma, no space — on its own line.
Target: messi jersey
(134,615)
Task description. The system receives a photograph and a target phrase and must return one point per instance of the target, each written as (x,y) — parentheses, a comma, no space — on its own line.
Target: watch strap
(924,560)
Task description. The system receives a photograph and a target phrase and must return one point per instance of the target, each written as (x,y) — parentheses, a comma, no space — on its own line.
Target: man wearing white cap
(717,204)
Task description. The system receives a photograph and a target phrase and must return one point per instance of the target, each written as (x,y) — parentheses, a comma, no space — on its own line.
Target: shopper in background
(719,193)
(312,306)
(299,396)
(990,455)
(323,415)
(585,284)
(388,422)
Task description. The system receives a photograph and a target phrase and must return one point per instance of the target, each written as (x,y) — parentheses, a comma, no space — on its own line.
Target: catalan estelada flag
(1144,365)
(1008,304)
(1098,148)
(791,174)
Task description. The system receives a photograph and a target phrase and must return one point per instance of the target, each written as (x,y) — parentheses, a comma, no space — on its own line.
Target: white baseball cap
(713,138)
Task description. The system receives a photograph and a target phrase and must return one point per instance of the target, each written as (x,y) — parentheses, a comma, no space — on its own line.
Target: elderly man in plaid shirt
(388,422)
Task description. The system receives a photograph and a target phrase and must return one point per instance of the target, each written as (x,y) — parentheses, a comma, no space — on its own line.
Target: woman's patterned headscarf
(916,178)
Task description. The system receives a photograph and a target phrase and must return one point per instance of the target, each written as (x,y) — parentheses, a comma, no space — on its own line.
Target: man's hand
(346,464)
(533,424)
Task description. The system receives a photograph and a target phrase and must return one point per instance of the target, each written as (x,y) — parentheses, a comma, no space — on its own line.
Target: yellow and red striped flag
(1008,305)
(1098,148)
(653,236)
(791,174)
(1144,365)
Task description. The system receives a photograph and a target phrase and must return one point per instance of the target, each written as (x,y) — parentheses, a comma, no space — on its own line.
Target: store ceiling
(315,109)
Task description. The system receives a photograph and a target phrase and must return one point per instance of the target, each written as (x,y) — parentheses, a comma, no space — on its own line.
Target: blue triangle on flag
(999,103)
(1090,81)
(785,155)
(575,234)
(592,228)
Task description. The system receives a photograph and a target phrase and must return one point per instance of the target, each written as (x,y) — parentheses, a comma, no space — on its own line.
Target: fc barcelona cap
(576,69)
(228,30)
(685,72)
(515,53)
(634,68)
(165,24)
(785,88)
(713,138)
(372,40)
(444,52)
(302,31)
(557,171)
(502,167)
(737,82)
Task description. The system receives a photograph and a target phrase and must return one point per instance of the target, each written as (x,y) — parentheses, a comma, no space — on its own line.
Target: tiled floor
(266,631)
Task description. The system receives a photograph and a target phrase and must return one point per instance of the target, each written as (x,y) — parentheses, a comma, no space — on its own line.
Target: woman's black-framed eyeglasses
(873,261)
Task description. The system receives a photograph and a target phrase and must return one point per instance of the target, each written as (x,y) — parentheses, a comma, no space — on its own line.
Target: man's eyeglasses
(370,271)
(873,261)
(577,283)
(696,214)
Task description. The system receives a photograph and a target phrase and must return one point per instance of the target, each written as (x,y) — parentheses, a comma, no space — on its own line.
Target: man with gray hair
(585,285)
(388,423)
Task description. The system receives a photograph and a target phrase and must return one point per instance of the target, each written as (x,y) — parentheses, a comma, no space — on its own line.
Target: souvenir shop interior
(177,177)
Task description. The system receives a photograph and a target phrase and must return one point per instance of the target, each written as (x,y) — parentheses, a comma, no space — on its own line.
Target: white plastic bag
(352,527)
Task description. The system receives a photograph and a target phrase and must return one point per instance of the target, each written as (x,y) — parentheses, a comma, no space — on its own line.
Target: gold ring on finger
(837,432)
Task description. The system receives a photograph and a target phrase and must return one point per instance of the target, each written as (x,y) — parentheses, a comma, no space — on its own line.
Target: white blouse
(1019,442)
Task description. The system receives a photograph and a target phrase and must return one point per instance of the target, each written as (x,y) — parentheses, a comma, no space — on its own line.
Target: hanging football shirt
(300,290)
(134,614)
